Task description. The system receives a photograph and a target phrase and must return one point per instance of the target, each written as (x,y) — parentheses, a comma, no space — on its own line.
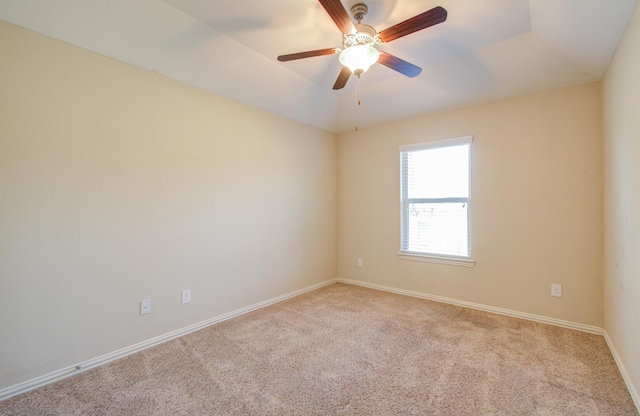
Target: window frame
(404,201)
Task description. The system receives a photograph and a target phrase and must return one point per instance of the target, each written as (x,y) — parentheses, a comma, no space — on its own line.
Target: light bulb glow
(359,58)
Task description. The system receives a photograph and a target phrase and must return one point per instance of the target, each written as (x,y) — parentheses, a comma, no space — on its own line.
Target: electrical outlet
(556,290)
(186,296)
(359,262)
(145,307)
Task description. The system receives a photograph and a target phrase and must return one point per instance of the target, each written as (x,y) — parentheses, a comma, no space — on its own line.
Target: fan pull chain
(357,99)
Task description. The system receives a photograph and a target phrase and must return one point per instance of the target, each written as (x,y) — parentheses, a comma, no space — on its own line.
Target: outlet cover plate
(145,307)
(186,296)
(556,290)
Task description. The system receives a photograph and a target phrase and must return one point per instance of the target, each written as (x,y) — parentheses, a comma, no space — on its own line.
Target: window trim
(432,257)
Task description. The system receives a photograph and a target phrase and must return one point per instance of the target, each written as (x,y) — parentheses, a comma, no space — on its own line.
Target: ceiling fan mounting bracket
(359,11)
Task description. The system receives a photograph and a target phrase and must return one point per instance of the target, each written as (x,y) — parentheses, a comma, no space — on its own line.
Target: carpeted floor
(348,350)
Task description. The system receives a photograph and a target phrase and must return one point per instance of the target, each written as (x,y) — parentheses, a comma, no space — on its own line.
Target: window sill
(437,259)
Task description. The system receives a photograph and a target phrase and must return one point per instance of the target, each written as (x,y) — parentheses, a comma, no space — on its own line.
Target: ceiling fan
(359,41)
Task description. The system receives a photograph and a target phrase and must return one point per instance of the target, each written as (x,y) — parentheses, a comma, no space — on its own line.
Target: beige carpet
(347,350)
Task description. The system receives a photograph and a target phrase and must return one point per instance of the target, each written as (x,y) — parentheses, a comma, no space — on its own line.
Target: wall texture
(117,185)
(621,101)
(536,207)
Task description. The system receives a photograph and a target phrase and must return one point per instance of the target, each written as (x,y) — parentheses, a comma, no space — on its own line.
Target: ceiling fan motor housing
(365,35)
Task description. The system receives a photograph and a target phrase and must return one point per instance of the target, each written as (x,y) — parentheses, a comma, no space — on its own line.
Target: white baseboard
(95,362)
(635,394)
(481,307)
(633,391)
(103,359)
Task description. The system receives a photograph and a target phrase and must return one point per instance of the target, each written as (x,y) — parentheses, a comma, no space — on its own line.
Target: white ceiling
(487,50)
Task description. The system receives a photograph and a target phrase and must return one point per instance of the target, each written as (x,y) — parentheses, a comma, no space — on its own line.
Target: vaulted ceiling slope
(487,50)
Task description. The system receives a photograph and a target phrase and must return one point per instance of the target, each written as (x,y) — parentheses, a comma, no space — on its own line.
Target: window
(435,199)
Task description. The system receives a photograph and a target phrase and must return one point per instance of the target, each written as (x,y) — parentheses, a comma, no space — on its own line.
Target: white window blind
(435,198)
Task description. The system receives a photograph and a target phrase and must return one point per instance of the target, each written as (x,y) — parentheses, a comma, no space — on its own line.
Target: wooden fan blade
(343,77)
(339,15)
(308,54)
(399,65)
(419,22)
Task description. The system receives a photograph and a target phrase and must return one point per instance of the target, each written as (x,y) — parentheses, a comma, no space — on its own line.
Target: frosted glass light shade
(359,58)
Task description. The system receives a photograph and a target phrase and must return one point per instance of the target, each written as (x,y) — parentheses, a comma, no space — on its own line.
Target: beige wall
(621,105)
(117,185)
(536,205)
